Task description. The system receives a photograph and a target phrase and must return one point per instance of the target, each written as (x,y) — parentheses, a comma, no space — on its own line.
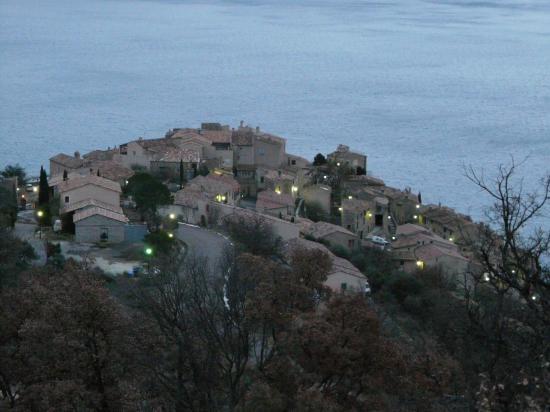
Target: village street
(203,242)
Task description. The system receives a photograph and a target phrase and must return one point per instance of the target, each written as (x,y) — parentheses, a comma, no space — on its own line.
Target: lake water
(422,87)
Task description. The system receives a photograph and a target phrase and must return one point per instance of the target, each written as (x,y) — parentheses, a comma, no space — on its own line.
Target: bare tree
(508,304)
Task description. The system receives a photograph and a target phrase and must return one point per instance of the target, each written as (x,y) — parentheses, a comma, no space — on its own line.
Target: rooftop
(321,229)
(80,181)
(70,162)
(96,210)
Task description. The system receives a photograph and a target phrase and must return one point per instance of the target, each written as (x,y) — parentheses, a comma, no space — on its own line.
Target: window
(104,234)
(261,152)
(66,199)
(261,179)
(343,286)
(402,262)
(379,220)
(293,162)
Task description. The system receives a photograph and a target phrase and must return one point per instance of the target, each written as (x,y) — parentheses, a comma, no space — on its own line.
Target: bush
(402,285)
(341,251)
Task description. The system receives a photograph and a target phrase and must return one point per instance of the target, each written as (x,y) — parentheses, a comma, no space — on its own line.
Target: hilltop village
(211,267)
(215,173)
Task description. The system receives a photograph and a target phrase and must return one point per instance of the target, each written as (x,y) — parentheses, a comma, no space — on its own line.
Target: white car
(378,240)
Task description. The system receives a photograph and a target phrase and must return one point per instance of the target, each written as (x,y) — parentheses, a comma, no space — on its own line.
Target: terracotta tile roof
(57,179)
(320,230)
(67,161)
(112,170)
(267,199)
(80,181)
(99,155)
(96,210)
(217,136)
(176,154)
(71,207)
(214,184)
(189,197)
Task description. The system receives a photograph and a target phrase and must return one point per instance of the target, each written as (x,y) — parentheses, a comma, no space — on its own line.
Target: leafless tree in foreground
(508,304)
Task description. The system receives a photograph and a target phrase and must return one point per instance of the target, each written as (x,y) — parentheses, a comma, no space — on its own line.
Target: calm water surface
(422,87)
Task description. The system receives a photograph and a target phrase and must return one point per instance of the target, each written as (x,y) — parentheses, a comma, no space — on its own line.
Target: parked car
(378,240)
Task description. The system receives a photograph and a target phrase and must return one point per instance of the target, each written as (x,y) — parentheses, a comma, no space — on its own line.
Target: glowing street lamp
(172,216)
(415,217)
(294,189)
(170,235)
(40,215)
(350,197)
(340,209)
(420,264)
(486,277)
(34,189)
(148,251)
(418,206)
(451,239)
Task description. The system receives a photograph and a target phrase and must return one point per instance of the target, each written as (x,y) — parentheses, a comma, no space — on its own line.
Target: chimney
(242,123)
(257,129)
(77,154)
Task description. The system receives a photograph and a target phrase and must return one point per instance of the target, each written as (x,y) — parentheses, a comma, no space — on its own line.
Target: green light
(149,251)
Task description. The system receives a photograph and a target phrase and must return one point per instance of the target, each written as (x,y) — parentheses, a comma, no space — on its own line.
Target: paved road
(203,242)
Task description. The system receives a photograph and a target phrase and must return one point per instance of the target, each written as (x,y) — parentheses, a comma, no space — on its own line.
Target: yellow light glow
(451,239)
(40,213)
(294,188)
(172,216)
(369,214)
(278,190)
(34,189)
(338,164)
(17,189)
(148,251)
(223,198)
(340,209)
(415,217)
(420,264)
(170,235)
(418,206)
(486,277)
(350,197)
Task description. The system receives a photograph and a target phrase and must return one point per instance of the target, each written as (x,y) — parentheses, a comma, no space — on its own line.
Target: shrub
(341,251)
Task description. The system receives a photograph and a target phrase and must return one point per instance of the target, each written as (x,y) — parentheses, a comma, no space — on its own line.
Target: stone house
(97,224)
(344,155)
(168,165)
(450,225)
(90,206)
(332,234)
(219,188)
(62,162)
(281,205)
(417,248)
(365,217)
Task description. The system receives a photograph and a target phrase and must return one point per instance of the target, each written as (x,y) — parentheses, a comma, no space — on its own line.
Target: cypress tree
(419,198)
(43,188)
(65,175)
